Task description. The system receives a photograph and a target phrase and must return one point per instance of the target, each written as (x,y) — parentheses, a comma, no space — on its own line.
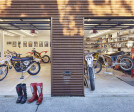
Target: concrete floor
(7,86)
(109,84)
(105,83)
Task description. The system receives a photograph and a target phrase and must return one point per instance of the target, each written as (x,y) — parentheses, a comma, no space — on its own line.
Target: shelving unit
(113,43)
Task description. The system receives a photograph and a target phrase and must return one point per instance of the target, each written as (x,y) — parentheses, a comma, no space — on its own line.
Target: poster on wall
(14,44)
(46,43)
(19,44)
(25,44)
(35,43)
(30,43)
(40,44)
(9,42)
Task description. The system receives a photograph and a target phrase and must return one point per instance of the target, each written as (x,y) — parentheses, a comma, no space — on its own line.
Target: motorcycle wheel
(129,63)
(97,66)
(35,69)
(3,74)
(91,78)
(45,59)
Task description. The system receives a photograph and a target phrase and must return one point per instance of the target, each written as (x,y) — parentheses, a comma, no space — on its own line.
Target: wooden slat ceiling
(112,24)
(25,24)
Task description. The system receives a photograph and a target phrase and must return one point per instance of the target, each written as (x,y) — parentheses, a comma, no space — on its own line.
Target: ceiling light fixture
(15,32)
(1,20)
(8,33)
(26,32)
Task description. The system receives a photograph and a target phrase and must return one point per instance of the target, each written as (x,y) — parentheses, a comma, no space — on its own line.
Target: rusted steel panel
(69,57)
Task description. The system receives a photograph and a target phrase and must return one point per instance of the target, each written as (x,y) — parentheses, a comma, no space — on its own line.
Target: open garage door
(110,39)
(27,38)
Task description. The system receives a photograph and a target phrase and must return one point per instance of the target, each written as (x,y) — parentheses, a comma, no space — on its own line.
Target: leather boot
(40,91)
(34,92)
(24,90)
(19,92)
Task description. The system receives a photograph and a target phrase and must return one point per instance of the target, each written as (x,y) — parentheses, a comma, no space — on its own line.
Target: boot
(40,91)
(19,92)
(24,98)
(34,92)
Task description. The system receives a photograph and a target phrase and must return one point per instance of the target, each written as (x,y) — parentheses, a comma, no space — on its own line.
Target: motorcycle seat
(117,53)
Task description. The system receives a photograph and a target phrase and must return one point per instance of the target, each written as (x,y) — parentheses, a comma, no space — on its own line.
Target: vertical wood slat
(66,60)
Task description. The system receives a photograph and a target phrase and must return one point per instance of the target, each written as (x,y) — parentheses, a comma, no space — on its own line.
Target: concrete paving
(72,104)
(7,86)
(111,95)
(7,104)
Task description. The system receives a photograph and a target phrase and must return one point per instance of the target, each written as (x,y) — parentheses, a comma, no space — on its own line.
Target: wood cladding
(67,32)
(81,8)
(67,52)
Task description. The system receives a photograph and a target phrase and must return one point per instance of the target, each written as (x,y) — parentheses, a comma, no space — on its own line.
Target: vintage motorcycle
(20,64)
(44,58)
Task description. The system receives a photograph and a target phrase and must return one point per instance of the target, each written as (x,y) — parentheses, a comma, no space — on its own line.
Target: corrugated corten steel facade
(67,32)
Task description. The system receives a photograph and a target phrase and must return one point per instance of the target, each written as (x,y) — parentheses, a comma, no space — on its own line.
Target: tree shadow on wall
(121,3)
(28,9)
(74,13)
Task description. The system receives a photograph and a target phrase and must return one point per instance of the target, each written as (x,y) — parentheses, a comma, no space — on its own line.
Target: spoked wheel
(35,69)
(126,63)
(45,59)
(97,66)
(3,71)
(91,78)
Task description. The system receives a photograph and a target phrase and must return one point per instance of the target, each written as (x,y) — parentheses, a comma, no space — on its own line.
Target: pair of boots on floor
(22,93)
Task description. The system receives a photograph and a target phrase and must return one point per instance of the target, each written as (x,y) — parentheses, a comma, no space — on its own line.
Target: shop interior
(107,36)
(22,36)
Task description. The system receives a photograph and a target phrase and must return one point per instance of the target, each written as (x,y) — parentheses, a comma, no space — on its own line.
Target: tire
(97,66)
(45,59)
(91,78)
(38,70)
(6,72)
(129,62)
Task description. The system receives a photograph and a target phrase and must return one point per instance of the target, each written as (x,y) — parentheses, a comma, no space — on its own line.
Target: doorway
(108,36)
(23,35)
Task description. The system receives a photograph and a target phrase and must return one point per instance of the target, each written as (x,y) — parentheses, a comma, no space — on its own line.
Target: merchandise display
(34,97)
(22,93)
(34,88)
(40,91)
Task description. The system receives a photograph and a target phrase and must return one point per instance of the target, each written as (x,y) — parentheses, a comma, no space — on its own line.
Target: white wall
(0,44)
(41,36)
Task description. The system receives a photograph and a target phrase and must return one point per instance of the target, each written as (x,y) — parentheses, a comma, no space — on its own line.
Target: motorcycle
(45,58)
(20,64)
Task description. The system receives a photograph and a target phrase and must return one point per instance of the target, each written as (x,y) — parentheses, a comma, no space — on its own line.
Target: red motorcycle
(45,58)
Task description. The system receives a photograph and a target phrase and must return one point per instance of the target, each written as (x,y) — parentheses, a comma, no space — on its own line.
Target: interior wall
(0,45)
(41,36)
